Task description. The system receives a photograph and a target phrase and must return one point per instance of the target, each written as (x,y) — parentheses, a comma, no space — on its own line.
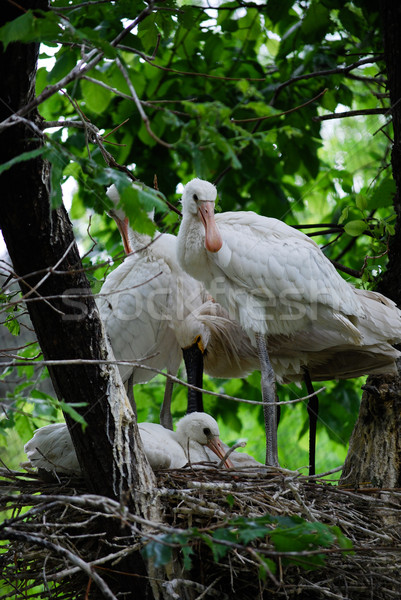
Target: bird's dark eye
(207,431)
(195,197)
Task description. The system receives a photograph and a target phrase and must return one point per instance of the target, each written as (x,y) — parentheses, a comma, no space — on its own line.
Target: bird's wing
(161,447)
(382,318)
(135,307)
(51,449)
(154,449)
(330,352)
(271,259)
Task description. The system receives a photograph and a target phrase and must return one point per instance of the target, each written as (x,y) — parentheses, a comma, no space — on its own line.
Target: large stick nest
(54,537)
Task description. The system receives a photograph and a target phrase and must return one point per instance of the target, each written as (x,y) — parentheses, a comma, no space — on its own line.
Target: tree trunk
(390,284)
(374,454)
(45,257)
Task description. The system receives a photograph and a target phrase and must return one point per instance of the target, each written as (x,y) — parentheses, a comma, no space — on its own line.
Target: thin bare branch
(352,113)
(139,105)
(19,362)
(324,73)
(84,66)
(150,60)
(12,534)
(286,112)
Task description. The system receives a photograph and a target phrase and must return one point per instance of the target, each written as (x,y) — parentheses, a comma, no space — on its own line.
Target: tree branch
(325,73)
(352,113)
(139,105)
(286,112)
(32,538)
(85,65)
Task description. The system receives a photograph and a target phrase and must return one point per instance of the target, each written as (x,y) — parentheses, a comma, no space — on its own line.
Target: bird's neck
(182,439)
(191,251)
(138,241)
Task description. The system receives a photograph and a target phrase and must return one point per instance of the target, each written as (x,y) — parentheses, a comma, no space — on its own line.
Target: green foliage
(234,94)
(30,27)
(293,539)
(21,158)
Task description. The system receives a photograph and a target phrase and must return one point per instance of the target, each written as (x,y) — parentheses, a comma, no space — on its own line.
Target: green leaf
(58,162)
(147,32)
(39,395)
(29,27)
(267,566)
(341,539)
(17,30)
(344,215)
(187,553)
(158,551)
(390,229)
(21,158)
(220,550)
(70,410)
(12,325)
(383,195)
(96,97)
(361,202)
(138,201)
(230,500)
(329,101)
(64,64)
(316,21)
(355,228)
(278,10)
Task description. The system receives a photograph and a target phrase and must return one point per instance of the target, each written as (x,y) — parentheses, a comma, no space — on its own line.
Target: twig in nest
(230,451)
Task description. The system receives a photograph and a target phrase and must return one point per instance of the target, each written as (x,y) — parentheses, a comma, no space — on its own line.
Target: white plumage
(276,281)
(152,310)
(139,303)
(278,284)
(227,350)
(51,448)
(269,276)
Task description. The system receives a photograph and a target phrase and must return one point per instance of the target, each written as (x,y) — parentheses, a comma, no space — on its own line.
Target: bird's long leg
(313,410)
(165,412)
(193,359)
(268,384)
(278,411)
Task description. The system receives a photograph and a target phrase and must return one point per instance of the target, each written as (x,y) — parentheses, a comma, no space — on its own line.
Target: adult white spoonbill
(276,281)
(51,448)
(154,311)
(139,304)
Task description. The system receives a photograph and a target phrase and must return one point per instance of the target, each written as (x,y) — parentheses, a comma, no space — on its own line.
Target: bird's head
(191,331)
(198,199)
(202,428)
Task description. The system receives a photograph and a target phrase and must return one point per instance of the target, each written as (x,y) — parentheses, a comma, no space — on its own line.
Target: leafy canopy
(233,94)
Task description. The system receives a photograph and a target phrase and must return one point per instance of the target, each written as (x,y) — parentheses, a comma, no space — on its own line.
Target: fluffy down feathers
(51,448)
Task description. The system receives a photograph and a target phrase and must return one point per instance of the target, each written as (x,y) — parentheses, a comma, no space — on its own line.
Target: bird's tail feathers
(382,322)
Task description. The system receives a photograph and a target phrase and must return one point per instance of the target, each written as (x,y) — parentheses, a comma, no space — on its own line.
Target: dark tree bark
(374,454)
(390,284)
(42,248)
(39,240)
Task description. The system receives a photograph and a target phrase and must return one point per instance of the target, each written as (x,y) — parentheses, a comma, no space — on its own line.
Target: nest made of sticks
(55,543)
